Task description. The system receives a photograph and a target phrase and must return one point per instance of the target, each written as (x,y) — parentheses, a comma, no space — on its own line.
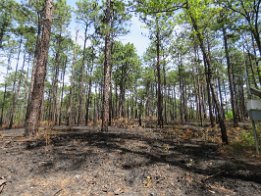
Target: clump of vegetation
(229,115)
(248,139)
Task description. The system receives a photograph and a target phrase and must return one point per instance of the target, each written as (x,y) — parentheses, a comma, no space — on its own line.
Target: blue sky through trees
(136,35)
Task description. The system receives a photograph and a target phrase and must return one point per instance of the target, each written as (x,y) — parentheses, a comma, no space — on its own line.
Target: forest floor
(125,162)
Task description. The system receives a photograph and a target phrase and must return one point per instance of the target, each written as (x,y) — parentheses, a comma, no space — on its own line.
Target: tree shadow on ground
(73,150)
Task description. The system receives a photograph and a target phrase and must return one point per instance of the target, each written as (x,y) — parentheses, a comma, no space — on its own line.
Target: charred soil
(122,162)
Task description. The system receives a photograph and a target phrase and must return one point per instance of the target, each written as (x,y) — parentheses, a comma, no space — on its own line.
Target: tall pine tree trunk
(61,102)
(36,51)
(12,110)
(34,107)
(5,91)
(80,105)
(209,78)
(159,93)
(107,69)
(17,93)
(88,99)
(230,79)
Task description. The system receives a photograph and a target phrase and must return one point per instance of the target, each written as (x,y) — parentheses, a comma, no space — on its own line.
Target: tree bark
(80,105)
(16,93)
(230,78)
(89,89)
(5,92)
(34,107)
(159,93)
(107,69)
(61,101)
(36,52)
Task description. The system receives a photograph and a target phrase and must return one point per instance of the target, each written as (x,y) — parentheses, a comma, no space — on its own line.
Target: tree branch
(256,92)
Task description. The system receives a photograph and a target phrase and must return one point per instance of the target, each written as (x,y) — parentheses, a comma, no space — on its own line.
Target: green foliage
(61,15)
(6,17)
(157,7)
(248,138)
(126,64)
(229,115)
(121,18)
(87,11)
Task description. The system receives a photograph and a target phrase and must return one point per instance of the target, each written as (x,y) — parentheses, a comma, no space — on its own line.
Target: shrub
(229,115)
(248,138)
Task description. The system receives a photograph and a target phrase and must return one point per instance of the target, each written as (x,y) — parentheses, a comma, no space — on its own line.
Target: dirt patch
(122,162)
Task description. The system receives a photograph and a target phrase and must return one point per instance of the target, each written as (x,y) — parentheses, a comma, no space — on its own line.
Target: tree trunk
(159,93)
(121,100)
(80,106)
(165,90)
(210,108)
(5,91)
(230,79)
(220,96)
(110,97)
(16,95)
(36,52)
(34,107)
(61,102)
(54,89)
(252,69)
(256,60)
(209,76)
(69,109)
(181,97)
(89,90)
(107,69)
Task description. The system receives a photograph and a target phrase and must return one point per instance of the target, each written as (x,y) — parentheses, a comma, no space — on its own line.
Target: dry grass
(124,123)
(59,185)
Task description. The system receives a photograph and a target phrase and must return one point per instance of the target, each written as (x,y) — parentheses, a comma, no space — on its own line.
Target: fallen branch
(57,192)
(2,185)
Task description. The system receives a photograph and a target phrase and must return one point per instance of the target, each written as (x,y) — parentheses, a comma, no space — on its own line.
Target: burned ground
(122,162)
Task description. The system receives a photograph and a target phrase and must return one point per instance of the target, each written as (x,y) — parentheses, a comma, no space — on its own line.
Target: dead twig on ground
(2,185)
(57,192)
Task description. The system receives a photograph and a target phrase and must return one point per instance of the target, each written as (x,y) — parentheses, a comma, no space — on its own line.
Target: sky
(136,33)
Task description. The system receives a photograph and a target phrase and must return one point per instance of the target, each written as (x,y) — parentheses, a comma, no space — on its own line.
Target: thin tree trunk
(198,87)
(16,95)
(71,106)
(5,90)
(69,109)
(252,70)
(14,86)
(230,78)
(181,97)
(110,100)
(209,76)
(220,96)
(89,90)
(80,106)
(61,104)
(159,93)
(165,90)
(107,69)
(175,102)
(256,59)
(54,89)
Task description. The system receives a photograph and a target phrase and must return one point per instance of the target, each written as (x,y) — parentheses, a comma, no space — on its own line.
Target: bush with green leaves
(248,139)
